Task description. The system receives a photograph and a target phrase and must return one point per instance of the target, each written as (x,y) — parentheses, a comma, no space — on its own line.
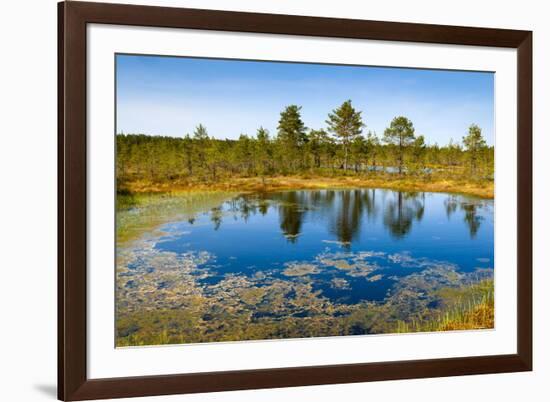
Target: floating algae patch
(342,264)
(353,264)
(374,278)
(296,269)
(339,283)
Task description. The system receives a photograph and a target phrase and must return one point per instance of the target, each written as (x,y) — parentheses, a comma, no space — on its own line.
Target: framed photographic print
(253,200)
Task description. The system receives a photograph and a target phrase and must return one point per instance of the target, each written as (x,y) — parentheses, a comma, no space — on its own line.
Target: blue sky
(171,95)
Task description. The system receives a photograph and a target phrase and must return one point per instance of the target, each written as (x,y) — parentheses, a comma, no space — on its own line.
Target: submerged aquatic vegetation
(165,301)
(360,264)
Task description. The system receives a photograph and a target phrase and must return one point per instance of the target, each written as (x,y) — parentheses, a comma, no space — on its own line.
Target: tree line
(342,147)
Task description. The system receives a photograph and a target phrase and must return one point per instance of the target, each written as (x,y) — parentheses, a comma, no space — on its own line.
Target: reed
(472,309)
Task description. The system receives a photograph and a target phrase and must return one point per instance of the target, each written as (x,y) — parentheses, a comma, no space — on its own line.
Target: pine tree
(358,152)
(418,151)
(200,139)
(475,145)
(317,143)
(452,153)
(264,153)
(400,134)
(346,123)
(291,135)
(373,147)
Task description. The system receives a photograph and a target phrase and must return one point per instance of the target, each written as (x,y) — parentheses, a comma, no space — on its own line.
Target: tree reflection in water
(344,211)
(471,208)
(291,211)
(472,218)
(401,211)
(216,217)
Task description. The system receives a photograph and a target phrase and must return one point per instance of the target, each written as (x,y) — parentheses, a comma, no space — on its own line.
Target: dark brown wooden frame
(73,383)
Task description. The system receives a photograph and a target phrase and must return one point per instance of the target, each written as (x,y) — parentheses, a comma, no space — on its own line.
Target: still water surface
(365,240)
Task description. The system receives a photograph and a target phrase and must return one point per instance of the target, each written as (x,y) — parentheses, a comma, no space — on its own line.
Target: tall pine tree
(291,135)
(400,134)
(474,144)
(346,123)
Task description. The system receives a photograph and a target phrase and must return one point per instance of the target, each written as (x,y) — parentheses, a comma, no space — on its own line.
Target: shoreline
(479,189)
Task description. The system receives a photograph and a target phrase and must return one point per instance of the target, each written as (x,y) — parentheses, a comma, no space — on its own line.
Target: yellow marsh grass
(479,188)
(474,308)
